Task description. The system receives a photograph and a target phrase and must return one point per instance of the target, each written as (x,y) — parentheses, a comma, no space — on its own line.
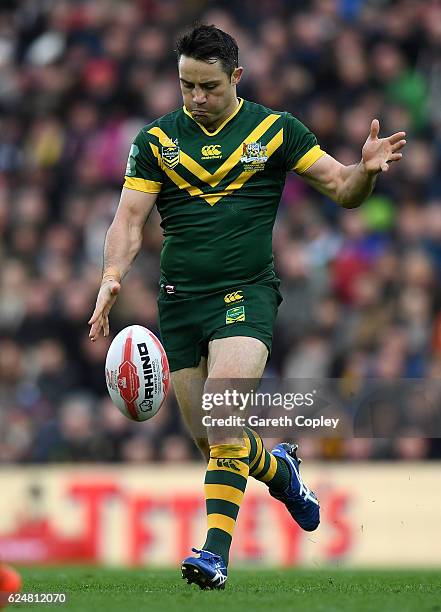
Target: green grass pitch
(92,589)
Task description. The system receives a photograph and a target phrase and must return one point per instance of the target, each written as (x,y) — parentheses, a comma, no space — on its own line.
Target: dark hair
(208,43)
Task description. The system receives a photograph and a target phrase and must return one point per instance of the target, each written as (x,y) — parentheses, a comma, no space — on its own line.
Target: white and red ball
(137,373)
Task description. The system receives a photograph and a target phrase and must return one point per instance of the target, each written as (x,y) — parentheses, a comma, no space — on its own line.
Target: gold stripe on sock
(221,491)
(220,521)
(258,452)
(271,470)
(259,467)
(247,444)
(228,451)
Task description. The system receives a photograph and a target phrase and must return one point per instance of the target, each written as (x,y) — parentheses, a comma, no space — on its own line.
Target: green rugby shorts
(188,322)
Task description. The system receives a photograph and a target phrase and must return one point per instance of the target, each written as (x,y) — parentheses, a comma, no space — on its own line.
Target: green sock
(225,482)
(264,466)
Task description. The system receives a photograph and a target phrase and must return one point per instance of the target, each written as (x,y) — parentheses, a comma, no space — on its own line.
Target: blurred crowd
(361,288)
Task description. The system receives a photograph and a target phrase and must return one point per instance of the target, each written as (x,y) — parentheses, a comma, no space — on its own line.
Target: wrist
(111,275)
(367,170)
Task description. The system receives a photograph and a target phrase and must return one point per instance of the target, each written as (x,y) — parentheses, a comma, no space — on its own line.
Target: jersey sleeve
(301,147)
(142,171)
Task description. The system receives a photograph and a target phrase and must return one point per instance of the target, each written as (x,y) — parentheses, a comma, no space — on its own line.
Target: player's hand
(378,153)
(106,298)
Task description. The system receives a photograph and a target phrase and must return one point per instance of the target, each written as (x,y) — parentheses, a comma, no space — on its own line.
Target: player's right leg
(180,322)
(226,477)
(188,385)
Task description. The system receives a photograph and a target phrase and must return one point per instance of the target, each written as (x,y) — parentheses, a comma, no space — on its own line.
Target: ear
(237,75)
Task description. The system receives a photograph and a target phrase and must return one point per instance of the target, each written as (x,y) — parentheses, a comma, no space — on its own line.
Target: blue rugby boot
(207,570)
(300,501)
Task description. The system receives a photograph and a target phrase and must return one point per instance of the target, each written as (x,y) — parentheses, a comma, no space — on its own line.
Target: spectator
(361,288)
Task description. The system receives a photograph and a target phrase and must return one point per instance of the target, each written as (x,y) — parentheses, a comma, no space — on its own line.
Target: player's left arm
(349,186)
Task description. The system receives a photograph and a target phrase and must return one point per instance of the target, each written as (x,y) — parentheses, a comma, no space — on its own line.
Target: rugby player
(216,168)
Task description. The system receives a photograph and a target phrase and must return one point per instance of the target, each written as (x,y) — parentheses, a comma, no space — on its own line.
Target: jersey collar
(222,125)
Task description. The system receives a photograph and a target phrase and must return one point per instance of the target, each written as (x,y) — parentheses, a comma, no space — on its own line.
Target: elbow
(341,196)
(347,201)
(349,204)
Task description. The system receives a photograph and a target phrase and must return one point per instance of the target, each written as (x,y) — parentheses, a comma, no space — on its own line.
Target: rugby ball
(137,373)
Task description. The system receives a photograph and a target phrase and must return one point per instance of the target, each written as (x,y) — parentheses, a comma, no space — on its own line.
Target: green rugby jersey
(218,192)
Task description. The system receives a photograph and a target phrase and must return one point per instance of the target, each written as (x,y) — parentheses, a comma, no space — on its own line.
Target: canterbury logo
(228,463)
(233,297)
(210,151)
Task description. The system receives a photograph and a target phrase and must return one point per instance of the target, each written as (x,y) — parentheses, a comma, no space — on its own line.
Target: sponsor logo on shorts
(233,297)
(211,152)
(169,289)
(233,315)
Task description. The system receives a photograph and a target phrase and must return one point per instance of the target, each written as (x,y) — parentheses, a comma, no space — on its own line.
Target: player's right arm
(122,244)
(143,183)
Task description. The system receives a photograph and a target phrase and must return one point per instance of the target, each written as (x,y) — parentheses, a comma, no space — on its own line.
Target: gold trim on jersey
(239,182)
(199,171)
(213,198)
(222,125)
(140,184)
(308,159)
(175,177)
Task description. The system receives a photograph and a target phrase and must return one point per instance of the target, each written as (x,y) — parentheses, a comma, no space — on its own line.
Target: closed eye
(209,86)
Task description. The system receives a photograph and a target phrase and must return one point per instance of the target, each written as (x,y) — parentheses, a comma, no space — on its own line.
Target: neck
(229,110)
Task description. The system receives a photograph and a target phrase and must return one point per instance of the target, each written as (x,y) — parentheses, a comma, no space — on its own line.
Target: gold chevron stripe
(243,177)
(195,168)
(308,159)
(175,177)
(213,198)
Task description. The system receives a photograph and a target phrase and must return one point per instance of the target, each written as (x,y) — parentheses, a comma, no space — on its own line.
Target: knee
(204,447)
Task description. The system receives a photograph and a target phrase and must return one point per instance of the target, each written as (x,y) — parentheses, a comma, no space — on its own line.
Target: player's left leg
(256,312)
(279,470)
(233,358)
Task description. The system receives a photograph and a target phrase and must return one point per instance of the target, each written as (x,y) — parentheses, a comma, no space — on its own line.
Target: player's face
(209,93)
